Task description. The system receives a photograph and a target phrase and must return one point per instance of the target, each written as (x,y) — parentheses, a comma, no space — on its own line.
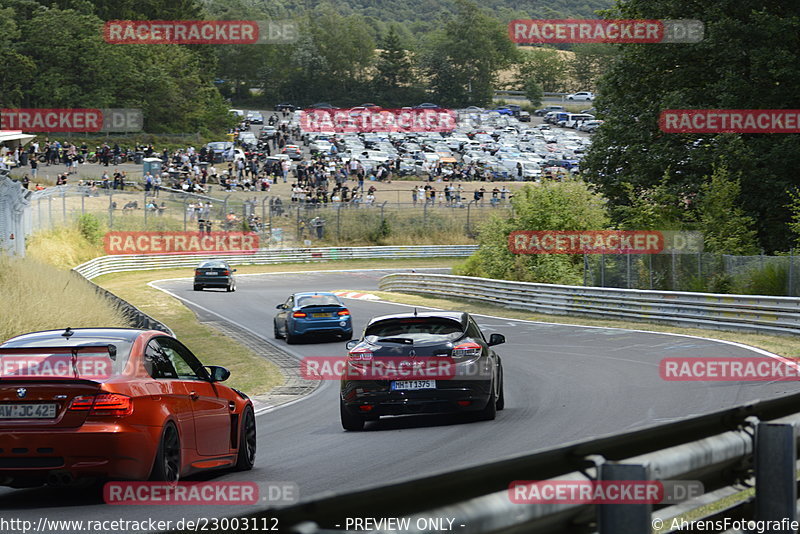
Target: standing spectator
(34,168)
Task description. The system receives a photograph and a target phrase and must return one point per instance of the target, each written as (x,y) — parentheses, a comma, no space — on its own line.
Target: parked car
(524,116)
(293,151)
(581,95)
(267,132)
(310,313)
(214,273)
(257,118)
(129,404)
(590,126)
(547,109)
(285,106)
(475,384)
(220,151)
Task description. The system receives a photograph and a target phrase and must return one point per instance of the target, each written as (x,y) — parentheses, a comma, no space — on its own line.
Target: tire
(198,288)
(290,339)
(246,457)
(490,411)
(275,330)
(501,397)
(570,98)
(350,422)
(229,288)
(347,337)
(167,466)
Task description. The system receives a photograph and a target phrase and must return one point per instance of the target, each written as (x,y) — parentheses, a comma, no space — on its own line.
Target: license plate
(28,411)
(320,315)
(413,384)
(211,272)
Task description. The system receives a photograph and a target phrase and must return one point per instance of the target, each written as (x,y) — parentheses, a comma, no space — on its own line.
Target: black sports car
(214,273)
(428,362)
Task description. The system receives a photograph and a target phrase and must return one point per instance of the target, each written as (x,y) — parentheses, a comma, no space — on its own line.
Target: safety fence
(140,262)
(758,314)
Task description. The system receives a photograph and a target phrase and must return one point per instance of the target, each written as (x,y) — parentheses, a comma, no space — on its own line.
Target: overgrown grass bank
(37,296)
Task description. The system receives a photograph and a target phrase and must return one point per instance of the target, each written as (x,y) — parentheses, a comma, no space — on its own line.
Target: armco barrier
(135,262)
(747,313)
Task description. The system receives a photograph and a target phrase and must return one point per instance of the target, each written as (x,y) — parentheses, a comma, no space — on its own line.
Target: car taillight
(467,350)
(106,404)
(359,355)
(226,273)
(343,312)
(299,314)
(198,272)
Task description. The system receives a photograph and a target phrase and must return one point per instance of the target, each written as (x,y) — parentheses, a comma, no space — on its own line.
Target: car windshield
(419,329)
(213,265)
(317,300)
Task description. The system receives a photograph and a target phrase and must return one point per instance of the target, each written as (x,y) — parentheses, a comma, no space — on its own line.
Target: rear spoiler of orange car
(74,351)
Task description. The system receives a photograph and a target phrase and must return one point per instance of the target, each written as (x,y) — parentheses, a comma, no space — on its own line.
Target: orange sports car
(116,403)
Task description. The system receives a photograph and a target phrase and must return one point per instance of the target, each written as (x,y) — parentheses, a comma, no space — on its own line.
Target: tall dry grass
(37,296)
(63,247)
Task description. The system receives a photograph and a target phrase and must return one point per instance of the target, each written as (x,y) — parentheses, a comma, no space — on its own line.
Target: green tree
(463,57)
(745,61)
(533,92)
(548,206)
(589,62)
(544,66)
(726,228)
(394,70)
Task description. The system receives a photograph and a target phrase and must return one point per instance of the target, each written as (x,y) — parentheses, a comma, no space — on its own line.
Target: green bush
(771,279)
(89,227)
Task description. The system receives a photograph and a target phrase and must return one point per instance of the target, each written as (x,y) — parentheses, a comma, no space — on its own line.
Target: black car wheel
(490,411)
(275,329)
(350,421)
(198,287)
(167,467)
(501,397)
(247,441)
(290,339)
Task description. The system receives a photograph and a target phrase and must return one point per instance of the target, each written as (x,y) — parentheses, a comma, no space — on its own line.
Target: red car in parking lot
(116,403)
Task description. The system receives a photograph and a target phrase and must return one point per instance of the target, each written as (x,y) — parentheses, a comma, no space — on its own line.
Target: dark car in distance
(305,314)
(285,106)
(424,342)
(214,273)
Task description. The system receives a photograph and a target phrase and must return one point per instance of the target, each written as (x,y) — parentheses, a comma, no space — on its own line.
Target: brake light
(359,355)
(198,272)
(299,314)
(467,350)
(344,312)
(106,404)
(226,273)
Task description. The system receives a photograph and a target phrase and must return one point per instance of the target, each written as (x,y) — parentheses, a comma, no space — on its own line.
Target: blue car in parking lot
(312,313)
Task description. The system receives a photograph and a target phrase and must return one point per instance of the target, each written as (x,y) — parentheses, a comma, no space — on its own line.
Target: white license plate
(211,272)
(413,384)
(28,411)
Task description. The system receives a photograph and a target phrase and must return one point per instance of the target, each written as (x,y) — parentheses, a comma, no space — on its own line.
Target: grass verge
(788,346)
(33,294)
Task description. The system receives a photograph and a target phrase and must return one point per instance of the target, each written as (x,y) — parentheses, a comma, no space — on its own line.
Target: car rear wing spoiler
(75,350)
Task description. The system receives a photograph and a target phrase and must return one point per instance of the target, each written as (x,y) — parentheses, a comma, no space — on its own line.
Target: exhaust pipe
(60,478)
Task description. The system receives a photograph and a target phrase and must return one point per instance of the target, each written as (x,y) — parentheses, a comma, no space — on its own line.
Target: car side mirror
(351,344)
(280,307)
(496,339)
(217,373)
(233,270)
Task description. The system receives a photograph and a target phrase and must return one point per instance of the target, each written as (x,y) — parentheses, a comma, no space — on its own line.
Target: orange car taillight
(198,272)
(467,350)
(343,312)
(226,273)
(299,314)
(103,405)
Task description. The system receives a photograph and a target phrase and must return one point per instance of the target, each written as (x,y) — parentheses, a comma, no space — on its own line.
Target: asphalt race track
(562,383)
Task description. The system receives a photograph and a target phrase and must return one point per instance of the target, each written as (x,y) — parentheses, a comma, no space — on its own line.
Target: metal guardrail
(132,262)
(746,313)
(136,317)
(725,451)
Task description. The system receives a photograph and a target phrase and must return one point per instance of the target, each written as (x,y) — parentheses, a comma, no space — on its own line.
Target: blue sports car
(312,313)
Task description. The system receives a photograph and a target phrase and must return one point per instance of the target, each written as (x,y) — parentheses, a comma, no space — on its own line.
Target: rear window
(93,363)
(212,265)
(418,329)
(317,300)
